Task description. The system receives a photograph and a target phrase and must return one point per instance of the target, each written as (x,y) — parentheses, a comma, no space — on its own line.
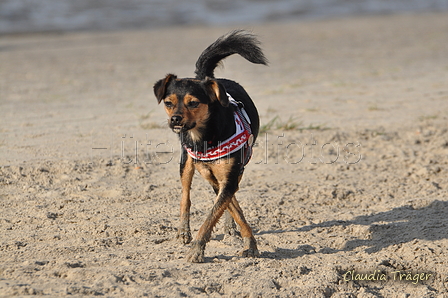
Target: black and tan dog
(217,123)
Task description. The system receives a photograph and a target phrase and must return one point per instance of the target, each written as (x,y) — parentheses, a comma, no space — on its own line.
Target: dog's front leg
(186,176)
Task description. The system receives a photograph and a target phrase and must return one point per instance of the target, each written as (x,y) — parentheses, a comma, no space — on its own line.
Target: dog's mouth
(177,129)
(182,128)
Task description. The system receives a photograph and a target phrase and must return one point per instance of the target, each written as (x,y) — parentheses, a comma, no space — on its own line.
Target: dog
(217,123)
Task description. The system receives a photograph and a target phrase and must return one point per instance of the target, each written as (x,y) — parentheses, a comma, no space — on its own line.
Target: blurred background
(21,16)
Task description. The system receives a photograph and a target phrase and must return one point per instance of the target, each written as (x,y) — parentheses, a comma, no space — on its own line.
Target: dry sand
(89,203)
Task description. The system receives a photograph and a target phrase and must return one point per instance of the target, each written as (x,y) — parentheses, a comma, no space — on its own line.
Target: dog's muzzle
(176,123)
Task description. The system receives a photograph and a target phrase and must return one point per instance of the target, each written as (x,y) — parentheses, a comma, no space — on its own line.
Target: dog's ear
(160,86)
(215,91)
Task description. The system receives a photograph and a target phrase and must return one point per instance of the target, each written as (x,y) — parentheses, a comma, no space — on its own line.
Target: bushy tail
(235,42)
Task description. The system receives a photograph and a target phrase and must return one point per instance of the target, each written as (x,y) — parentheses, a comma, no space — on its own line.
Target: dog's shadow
(285,253)
(399,225)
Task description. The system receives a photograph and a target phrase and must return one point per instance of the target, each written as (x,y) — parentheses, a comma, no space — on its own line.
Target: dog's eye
(168,104)
(193,104)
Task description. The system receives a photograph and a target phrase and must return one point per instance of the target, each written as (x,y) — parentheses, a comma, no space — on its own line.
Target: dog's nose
(176,119)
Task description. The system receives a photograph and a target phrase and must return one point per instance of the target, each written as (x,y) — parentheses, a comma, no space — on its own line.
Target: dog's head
(188,102)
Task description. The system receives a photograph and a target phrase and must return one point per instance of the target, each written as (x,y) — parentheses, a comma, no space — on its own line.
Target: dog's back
(239,94)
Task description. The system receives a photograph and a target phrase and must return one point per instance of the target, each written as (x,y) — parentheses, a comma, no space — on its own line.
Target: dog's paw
(250,253)
(250,248)
(196,253)
(184,236)
(230,229)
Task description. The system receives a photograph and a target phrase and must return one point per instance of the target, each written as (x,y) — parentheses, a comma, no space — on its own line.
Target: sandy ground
(348,181)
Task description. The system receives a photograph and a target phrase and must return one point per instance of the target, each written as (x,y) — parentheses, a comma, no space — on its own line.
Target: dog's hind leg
(186,176)
(229,224)
(250,245)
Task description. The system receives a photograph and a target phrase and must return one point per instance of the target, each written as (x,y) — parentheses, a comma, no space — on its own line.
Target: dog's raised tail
(235,42)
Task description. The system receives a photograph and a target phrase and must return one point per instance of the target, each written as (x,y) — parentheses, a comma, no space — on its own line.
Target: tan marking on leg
(237,214)
(184,233)
(250,245)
